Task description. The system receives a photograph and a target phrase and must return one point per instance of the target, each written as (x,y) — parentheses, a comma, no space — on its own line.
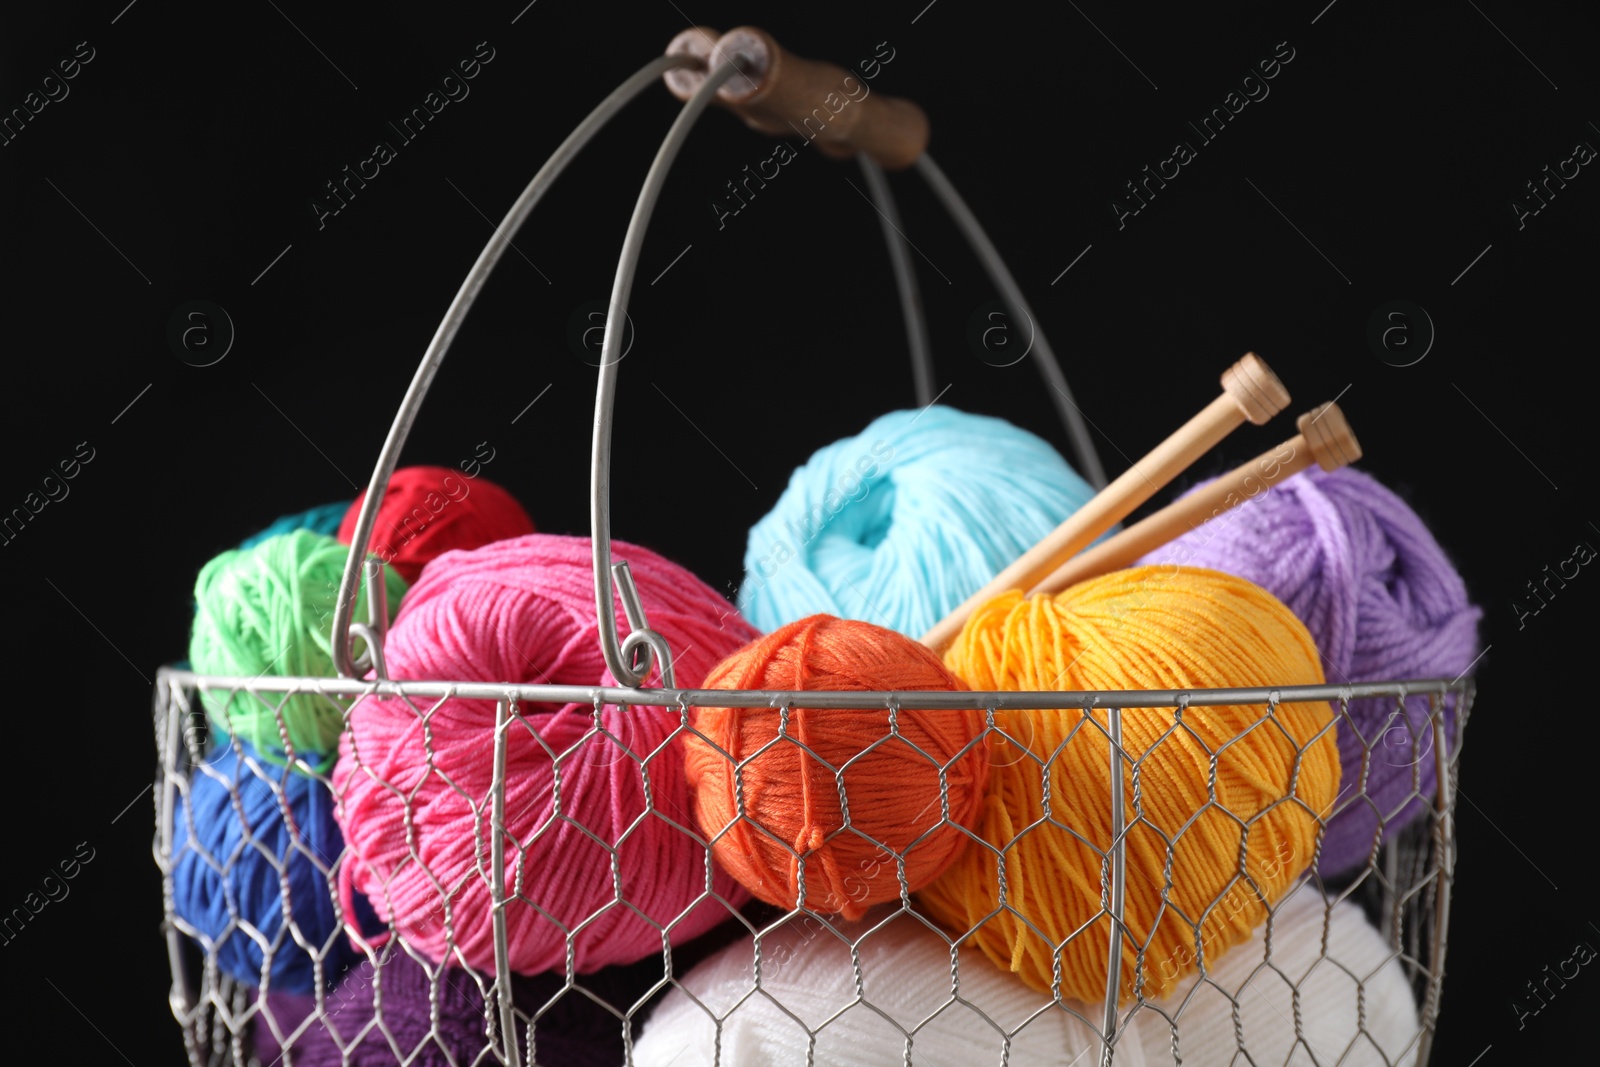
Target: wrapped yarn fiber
(428,511)
(1144,628)
(324,519)
(269,610)
(808,982)
(901,523)
(254,845)
(414,780)
(279,1017)
(437,1016)
(905,972)
(792,810)
(1383,602)
(1329,990)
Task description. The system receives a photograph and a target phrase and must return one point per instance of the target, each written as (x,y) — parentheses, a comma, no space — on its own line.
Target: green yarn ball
(268,609)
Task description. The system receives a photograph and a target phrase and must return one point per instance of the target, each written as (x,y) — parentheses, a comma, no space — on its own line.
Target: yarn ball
(269,610)
(323,519)
(1329,973)
(253,848)
(279,1018)
(1144,628)
(903,522)
(793,803)
(428,511)
(905,972)
(808,981)
(436,1017)
(1383,602)
(414,778)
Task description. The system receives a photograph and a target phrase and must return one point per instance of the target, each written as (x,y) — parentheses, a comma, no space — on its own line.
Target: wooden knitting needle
(1325,438)
(781,94)
(1250,391)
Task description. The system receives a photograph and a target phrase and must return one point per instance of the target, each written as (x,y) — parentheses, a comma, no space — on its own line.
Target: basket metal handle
(492,252)
(779,93)
(630,659)
(745,53)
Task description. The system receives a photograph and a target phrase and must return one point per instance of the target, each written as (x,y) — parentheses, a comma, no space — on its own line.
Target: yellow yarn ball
(1145,628)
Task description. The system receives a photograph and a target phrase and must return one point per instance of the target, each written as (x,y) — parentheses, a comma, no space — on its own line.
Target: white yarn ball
(905,973)
(1327,980)
(905,991)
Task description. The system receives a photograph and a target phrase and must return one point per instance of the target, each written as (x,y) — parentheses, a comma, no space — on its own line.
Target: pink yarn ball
(415,794)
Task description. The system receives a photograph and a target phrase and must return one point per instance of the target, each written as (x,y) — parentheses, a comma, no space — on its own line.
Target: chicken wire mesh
(463,1014)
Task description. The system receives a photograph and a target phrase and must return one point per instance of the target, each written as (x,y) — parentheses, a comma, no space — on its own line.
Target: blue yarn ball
(323,519)
(226,884)
(899,524)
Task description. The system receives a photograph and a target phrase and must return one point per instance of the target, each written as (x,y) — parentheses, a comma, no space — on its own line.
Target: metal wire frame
(1011,294)
(212,1010)
(910,700)
(1017,305)
(630,658)
(905,280)
(389,455)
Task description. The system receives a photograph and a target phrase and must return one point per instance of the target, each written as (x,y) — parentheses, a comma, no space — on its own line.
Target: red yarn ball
(428,511)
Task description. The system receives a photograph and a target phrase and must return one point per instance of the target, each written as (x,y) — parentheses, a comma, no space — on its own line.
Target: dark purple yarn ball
(1383,603)
(434,1016)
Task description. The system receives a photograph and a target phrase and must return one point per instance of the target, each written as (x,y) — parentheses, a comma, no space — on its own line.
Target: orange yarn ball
(791,808)
(1145,628)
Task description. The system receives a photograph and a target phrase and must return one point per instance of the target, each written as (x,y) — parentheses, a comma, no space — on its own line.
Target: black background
(190,148)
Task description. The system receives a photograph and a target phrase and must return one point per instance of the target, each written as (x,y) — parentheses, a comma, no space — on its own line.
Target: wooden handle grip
(782,94)
(1325,438)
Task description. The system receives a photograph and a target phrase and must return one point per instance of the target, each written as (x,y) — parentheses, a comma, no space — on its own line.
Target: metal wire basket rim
(910,700)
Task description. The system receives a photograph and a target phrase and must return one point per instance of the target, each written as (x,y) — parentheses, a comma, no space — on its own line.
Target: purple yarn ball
(574,1032)
(1383,603)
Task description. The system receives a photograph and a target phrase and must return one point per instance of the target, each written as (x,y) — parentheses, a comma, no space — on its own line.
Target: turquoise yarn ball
(899,524)
(322,519)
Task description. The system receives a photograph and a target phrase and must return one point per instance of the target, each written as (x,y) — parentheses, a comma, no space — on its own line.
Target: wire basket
(1403,888)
